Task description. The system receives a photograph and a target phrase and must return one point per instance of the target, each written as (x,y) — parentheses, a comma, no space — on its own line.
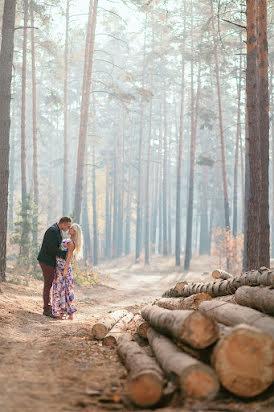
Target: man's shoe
(49,314)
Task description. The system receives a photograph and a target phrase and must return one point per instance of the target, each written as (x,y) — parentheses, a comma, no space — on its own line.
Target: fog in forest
(129,116)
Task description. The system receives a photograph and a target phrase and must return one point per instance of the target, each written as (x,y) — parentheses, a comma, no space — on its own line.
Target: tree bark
(6,58)
(94,209)
(183,325)
(261,298)
(222,135)
(192,302)
(141,326)
(147,215)
(175,292)
(243,360)
(34,134)
(237,143)
(263,115)
(107,211)
(231,314)
(194,121)
(254,147)
(145,380)
(23,108)
(164,192)
(139,188)
(84,115)
(118,329)
(195,379)
(101,328)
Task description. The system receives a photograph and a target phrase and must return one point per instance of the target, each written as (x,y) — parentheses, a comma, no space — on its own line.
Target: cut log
(243,360)
(261,298)
(221,274)
(100,329)
(228,287)
(176,291)
(183,325)
(118,329)
(232,314)
(145,380)
(195,379)
(192,302)
(141,326)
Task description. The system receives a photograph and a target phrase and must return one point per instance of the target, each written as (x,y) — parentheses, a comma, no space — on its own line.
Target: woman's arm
(71,248)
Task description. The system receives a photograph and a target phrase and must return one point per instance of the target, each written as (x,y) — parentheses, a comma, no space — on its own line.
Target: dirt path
(48,365)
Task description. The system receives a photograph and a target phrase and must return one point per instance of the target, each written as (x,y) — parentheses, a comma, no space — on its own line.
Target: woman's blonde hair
(78,239)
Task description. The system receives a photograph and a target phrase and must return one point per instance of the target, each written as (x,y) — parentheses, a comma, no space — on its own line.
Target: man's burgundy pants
(48,274)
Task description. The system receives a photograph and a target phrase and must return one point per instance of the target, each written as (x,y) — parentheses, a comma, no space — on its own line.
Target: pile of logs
(201,341)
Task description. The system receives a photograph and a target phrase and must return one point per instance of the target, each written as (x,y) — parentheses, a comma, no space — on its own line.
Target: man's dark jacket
(50,246)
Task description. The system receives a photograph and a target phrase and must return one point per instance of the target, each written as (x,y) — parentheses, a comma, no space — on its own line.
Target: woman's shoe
(62,316)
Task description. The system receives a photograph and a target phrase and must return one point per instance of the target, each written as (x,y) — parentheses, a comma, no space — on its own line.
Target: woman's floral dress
(62,292)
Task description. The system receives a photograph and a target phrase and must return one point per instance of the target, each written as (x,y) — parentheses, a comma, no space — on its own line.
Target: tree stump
(100,329)
(243,360)
(183,325)
(195,379)
(145,380)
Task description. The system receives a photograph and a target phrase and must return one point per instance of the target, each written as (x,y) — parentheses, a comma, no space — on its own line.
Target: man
(47,258)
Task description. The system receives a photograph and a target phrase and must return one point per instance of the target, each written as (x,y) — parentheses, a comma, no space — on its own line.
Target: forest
(150,123)
(133,120)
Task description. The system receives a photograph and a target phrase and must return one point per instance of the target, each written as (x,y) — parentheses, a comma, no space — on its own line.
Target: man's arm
(53,246)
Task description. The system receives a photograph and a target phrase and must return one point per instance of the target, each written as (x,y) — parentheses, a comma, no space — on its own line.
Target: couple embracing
(55,260)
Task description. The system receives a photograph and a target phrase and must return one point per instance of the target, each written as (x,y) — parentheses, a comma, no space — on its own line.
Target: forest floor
(49,365)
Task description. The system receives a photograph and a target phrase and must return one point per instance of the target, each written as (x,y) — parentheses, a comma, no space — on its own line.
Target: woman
(63,284)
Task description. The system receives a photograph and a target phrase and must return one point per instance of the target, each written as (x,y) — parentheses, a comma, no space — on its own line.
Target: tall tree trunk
(107,212)
(95,236)
(222,136)
(194,121)
(272,130)
(237,143)
(11,169)
(86,225)
(147,213)
(115,201)
(204,230)
(23,108)
(160,226)
(66,155)
(263,116)
(180,168)
(34,133)
(84,116)
(129,193)
(139,190)
(164,193)
(121,183)
(254,149)
(169,229)
(6,58)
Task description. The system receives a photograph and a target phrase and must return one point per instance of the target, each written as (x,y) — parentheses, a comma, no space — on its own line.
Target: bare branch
(235,24)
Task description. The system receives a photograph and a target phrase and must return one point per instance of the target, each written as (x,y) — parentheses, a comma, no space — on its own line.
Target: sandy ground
(49,365)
